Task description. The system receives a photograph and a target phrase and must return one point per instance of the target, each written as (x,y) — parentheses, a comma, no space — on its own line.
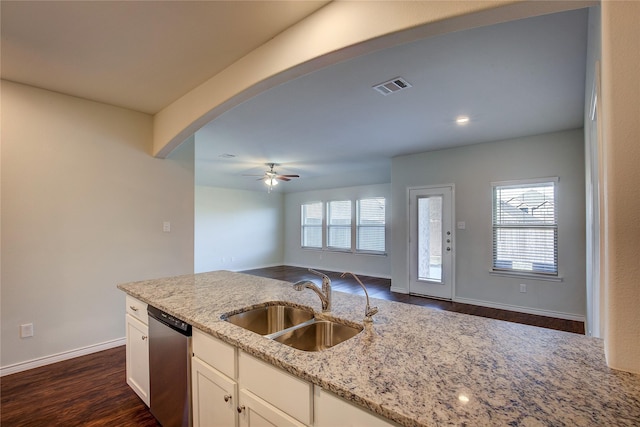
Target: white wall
(83,204)
(620,130)
(472,169)
(371,265)
(592,152)
(237,229)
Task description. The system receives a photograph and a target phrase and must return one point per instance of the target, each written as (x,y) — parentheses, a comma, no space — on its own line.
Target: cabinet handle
(133,307)
(227,397)
(144,337)
(240,409)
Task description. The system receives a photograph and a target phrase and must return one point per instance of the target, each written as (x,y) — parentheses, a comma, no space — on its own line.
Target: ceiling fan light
(270,181)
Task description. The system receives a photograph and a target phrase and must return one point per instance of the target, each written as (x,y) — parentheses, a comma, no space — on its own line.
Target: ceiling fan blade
(291,176)
(283,178)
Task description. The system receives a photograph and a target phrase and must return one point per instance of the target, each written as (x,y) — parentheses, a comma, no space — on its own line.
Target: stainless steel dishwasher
(169,369)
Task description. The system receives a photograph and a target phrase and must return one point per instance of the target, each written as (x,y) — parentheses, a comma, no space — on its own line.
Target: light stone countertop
(419,366)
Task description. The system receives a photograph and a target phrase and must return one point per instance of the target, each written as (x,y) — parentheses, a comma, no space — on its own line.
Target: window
(525,229)
(370,233)
(344,228)
(339,224)
(312,225)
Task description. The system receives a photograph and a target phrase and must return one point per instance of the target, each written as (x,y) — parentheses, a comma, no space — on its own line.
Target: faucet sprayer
(368,311)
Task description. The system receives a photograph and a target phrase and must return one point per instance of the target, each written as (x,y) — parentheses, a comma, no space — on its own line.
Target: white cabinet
(214,389)
(231,388)
(234,389)
(331,411)
(256,412)
(137,349)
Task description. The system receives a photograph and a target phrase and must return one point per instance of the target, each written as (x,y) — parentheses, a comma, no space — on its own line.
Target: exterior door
(431,243)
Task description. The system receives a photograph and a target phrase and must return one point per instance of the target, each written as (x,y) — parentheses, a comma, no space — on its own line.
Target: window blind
(525,229)
(370,234)
(339,224)
(312,225)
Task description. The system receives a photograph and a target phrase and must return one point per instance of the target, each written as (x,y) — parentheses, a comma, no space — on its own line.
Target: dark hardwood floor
(86,391)
(381,288)
(92,390)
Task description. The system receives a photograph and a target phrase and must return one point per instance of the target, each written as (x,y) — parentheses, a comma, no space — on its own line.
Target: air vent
(392,86)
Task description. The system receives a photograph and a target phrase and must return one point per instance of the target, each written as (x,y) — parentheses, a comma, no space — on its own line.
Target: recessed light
(462,120)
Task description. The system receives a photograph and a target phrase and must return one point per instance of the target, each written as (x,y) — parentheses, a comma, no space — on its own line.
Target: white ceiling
(141,55)
(514,79)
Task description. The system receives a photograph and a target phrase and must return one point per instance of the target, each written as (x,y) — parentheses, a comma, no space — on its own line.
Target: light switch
(26,330)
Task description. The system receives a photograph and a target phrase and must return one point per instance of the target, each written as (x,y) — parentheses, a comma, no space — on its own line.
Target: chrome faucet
(324,294)
(368,311)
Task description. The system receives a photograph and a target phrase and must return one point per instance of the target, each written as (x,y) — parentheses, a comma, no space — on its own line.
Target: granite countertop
(419,366)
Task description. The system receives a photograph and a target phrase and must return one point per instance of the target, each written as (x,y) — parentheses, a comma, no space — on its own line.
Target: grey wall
(472,169)
(83,206)
(372,265)
(237,229)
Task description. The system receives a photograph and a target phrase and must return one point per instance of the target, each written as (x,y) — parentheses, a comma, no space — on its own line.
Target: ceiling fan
(271,177)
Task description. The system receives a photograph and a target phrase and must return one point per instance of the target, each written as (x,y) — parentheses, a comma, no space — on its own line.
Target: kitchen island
(418,366)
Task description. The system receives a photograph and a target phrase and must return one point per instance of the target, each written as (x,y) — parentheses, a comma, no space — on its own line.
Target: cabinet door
(255,412)
(214,397)
(138,357)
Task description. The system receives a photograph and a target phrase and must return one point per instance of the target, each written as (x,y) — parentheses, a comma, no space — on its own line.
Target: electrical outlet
(26,330)
(166,226)
(523,288)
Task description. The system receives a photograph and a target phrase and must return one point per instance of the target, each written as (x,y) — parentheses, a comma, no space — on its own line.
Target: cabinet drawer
(216,353)
(137,309)
(281,389)
(331,411)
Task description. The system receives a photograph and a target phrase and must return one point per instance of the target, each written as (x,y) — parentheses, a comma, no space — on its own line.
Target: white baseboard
(519,309)
(399,290)
(59,357)
(337,270)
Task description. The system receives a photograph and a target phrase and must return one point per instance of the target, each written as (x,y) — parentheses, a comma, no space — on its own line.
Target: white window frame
(360,226)
(496,225)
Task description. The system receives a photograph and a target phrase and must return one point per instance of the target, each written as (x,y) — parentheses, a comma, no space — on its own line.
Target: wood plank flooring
(86,391)
(381,288)
(92,391)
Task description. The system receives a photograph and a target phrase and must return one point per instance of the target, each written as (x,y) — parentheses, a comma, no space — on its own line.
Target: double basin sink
(292,326)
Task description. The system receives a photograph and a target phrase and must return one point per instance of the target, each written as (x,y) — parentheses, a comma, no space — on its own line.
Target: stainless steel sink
(316,336)
(270,319)
(292,326)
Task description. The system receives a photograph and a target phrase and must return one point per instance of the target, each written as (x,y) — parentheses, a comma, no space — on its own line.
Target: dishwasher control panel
(169,320)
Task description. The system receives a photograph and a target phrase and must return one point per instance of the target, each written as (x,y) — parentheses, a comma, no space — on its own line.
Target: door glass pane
(430,238)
